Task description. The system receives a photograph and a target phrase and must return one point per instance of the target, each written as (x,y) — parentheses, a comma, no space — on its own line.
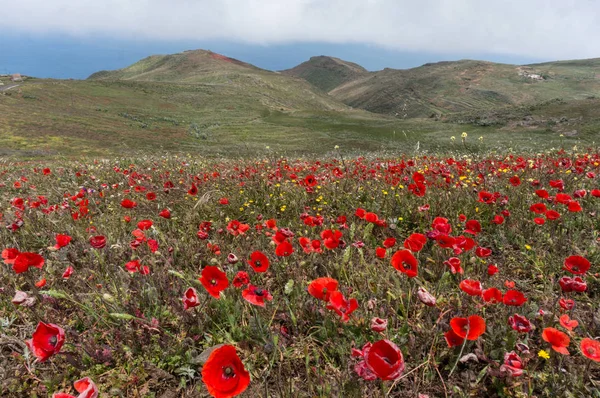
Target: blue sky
(61,56)
(66,38)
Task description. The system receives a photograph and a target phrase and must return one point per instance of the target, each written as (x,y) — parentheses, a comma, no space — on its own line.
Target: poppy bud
(378,324)
(513,365)
(232,258)
(425,297)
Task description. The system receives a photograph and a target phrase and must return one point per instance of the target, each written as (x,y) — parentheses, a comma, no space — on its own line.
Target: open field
(443,249)
(58,118)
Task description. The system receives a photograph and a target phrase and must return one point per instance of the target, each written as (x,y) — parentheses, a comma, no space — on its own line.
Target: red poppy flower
(578,285)
(515,181)
(62,241)
(98,242)
(473,227)
(539,221)
(425,297)
(241,279)
(384,359)
(284,249)
(452,339)
(340,305)
(331,238)
(454,264)
(151,196)
(145,225)
(441,225)
(557,339)
(568,323)
(380,252)
(259,261)
(415,242)
(470,328)
(167,186)
(321,288)
(445,241)
(371,217)
(190,299)
(236,228)
(563,198)
(498,220)
(538,208)
(486,197)
(224,374)
(193,191)
(255,295)
(165,213)
(514,298)
(405,262)
(26,260)
(492,295)
(595,193)
(389,242)
(558,184)
(542,193)
(68,272)
(566,304)
(513,365)
(360,213)
(590,348)
(574,206)
(41,283)
(128,204)
(418,189)
(378,324)
(483,252)
(310,181)
(85,387)
(520,323)
(46,341)
(10,255)
(214,280)
(552,215)
(575,284)
(471,287)
(576,265)
(492,270)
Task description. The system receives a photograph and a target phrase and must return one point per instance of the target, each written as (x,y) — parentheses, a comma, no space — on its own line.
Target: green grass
(72,118)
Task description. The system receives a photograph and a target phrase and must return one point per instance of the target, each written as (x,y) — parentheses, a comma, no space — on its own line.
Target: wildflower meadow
(450,275)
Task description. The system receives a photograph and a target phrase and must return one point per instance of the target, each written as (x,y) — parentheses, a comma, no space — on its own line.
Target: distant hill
(225,79)
(467,85)
(327,73)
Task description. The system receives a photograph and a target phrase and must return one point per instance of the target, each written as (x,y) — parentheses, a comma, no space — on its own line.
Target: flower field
(428,276)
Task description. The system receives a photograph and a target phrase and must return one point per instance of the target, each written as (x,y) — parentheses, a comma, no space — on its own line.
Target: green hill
(226,81)
(449,87)
(326,73)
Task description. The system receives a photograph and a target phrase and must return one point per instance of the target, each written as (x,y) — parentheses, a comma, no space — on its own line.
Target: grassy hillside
(326,73)
(223,77)
(203,103)
(449,87)
(74,118)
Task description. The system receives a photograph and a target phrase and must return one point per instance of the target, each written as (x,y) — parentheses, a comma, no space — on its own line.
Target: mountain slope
(466,85)
(225,80)
(326,73)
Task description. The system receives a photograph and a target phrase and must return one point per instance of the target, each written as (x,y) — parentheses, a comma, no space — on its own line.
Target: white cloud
(550,29)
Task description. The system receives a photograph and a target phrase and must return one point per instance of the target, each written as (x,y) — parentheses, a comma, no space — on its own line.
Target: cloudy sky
(72,38)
